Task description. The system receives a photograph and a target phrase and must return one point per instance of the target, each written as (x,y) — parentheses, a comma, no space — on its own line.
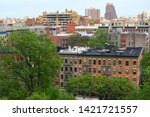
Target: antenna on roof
(131,51)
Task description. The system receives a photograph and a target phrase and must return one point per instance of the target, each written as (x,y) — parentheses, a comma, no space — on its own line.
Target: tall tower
(93,13)
(110,12)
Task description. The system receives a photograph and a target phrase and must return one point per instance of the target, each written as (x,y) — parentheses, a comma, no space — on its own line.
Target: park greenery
(100,86)
(29,68)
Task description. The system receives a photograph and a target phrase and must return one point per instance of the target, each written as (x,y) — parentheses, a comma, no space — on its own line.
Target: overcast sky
(33,8)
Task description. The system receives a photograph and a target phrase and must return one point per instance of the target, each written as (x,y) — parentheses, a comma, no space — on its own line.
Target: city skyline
(34,8)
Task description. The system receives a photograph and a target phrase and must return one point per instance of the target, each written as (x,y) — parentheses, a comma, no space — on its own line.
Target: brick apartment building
(108,61)
(61,40)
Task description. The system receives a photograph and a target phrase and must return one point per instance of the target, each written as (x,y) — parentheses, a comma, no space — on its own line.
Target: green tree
(143,93)
(99,39)
(51,94)
(90,20)
(102,87)
(145,66)
(80,85)
(77,40)
(31,65)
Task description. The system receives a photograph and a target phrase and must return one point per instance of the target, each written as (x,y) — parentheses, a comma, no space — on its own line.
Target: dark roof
(125,26)
(10,31)
(133,52)
(129,52)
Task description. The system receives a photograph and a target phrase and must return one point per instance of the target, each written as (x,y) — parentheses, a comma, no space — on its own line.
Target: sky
(34,8)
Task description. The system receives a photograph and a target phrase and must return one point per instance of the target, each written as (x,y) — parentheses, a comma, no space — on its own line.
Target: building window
(66,68)
(127,63)
(90,61)
(127,71)
(84,69)
(75,69)
(90,70)
(109,62)
(62,84)
(62,69)
(80,61)
(134,62)
(114,62)
(119,62)
(84,61)
(94,70)
(62,77)
(99,70)
(70,61)
(80,69)
(94,62)
(119,71)
(134,71)
(70,69)
(75,61)
(134,79)
(66,60)
(103,70)
(99,62)
(109,70)
(114,71)
(104,62)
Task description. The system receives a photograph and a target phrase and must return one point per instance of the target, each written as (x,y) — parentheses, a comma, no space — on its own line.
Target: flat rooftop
(108,51)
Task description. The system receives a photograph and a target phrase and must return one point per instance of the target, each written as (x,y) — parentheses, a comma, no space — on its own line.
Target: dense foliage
(29,67)
(145,66)
(143,92)
(101,87)
(77,40)
(98,40)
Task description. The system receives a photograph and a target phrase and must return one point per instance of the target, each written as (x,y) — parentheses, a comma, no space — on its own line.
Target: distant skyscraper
(110,12)
(93,13)
(143,16)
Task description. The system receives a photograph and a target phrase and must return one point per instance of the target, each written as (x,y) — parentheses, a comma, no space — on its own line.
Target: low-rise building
(61,40)
(129,36)
(108,61)
(87,29)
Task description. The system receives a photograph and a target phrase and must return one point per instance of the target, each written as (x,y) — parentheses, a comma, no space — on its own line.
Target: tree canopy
(145,66)
(77,40)
(101,87)
(29,67)
(143,93)
(99,39)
